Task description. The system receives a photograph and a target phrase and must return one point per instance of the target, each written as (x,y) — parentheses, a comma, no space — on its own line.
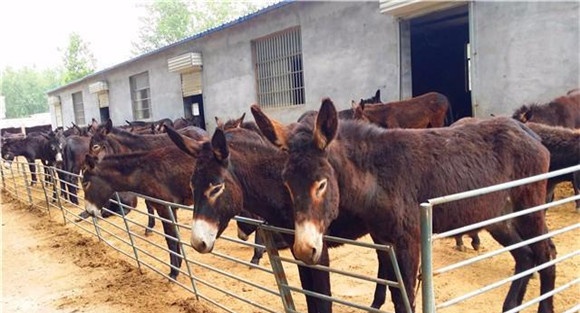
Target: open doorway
(193,110)
(440,58)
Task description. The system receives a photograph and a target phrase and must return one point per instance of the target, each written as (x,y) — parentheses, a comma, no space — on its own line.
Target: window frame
(78,108)
(140,103)
(278,67)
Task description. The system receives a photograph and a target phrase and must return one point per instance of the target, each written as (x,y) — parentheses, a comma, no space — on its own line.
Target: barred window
(79,108)
(279,72)
(140,96)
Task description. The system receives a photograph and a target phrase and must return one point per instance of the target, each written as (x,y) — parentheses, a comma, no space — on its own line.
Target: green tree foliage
(25,90)
(168,21)
(165,22)
(78,59)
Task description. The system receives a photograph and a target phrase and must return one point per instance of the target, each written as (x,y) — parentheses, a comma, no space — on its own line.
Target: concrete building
(487,57)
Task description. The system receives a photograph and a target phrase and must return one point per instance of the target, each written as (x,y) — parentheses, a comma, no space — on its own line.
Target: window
(279,73)
(58,114)
(78,107)
(140,96)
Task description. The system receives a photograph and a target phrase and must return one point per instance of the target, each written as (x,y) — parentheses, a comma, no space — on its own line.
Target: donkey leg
(380,289)
(475,241)
(459,246)
(258,252)
(170,231)
(576,187)
(316,281)
(150,218)
(32,169)
(506,235)
(408,260)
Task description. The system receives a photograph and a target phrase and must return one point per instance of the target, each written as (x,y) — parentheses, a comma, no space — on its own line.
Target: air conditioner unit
(54,100)
(99,86)
(189,62)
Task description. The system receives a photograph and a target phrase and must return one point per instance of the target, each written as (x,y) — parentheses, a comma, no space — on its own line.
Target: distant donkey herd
(363,170)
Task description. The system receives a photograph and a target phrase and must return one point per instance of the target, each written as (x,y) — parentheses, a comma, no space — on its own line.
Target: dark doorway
(104,112)
(193,110)
(439,58)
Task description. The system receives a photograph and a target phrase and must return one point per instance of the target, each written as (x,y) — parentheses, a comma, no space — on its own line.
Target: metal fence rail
(427,239)
(223,278)
(215,278)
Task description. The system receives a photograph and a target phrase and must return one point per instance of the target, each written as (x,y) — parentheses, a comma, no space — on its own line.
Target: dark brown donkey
(382,176)
(162,173)
(112,140)
(238,169)
(563,111)
(424,111)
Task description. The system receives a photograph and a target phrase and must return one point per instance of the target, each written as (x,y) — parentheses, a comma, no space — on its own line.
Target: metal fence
(226,278)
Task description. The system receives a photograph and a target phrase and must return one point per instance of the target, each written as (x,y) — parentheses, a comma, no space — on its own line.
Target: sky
(35,32)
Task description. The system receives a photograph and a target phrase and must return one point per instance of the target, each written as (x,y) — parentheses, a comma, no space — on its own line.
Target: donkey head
(308,175)
(97,190)
(216,196)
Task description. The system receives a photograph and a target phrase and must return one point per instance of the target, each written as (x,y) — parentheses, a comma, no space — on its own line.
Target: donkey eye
(214,191)
(96,147)
(86,184)
(321,187)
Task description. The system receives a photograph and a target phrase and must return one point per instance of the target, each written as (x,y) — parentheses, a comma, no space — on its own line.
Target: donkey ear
(240,121)
(186,144)
(219,146)
(353,104)
(326,125)
(108,126)
(219,122)
(378,96)
(273,130)
(527,116)
(90,161)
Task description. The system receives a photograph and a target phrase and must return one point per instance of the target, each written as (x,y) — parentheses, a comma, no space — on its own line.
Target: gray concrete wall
(525,52)
(349,51)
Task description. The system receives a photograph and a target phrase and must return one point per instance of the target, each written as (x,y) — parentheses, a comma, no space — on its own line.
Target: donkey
(563,111)
(425,111)
(238,170)
(162,173)
(111,140)
(564,146)
(384,175)
(45,147)
(348,114)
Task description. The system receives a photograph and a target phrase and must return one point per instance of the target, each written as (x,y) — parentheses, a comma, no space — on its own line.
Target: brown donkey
(381,176)
(424,111)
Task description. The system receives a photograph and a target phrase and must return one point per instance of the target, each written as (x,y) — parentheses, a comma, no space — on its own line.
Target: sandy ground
(50,267)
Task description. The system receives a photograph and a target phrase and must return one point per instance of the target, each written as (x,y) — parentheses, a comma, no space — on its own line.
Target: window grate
(279,72)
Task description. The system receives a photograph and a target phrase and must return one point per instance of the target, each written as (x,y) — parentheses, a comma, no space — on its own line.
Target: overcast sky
(33,31)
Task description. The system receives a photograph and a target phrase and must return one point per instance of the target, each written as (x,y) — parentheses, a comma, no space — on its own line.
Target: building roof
(177,43)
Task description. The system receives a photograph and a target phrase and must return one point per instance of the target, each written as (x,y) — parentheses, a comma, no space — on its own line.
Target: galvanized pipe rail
(427,238)
(123,238)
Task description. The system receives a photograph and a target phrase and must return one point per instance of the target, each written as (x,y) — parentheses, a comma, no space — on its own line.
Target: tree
(25,90)
(78,59)
(168,21)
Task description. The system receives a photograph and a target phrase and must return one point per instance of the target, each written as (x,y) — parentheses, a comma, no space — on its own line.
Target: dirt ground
(50,267)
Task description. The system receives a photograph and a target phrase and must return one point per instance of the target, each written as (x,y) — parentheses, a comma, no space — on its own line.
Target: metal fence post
(428,295)
(14,181)
(2,173)
(278,269)
(128,230)
(27,184)
(46,196)
(174,221)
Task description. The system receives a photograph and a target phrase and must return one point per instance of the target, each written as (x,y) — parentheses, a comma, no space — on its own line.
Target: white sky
(33,31)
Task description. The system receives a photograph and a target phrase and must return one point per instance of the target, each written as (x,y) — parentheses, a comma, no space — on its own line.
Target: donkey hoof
(148,231)
(460,248)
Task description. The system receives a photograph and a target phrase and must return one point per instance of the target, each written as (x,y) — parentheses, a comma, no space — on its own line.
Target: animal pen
(226,279)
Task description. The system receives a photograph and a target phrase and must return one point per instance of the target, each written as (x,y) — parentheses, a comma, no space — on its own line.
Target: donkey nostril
(313,252)
(203,245)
